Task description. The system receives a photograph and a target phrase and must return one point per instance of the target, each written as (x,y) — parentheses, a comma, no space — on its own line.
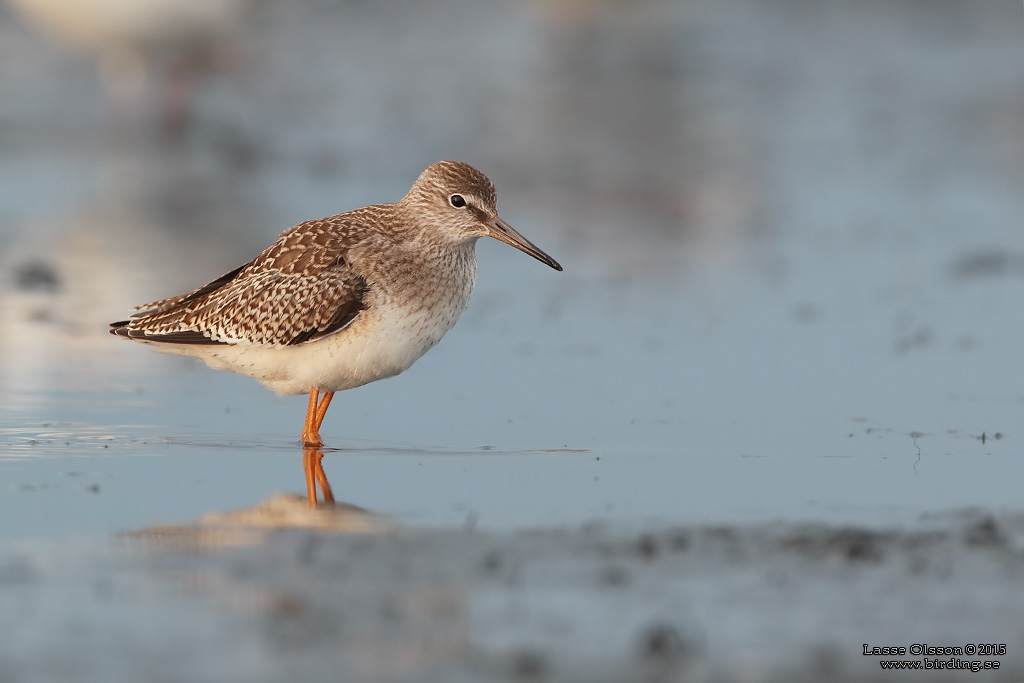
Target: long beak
(500,230)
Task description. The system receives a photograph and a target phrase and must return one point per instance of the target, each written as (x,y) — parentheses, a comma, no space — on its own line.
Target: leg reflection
(311,463)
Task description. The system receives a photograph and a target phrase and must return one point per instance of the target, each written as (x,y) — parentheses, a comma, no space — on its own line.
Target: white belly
(377,345)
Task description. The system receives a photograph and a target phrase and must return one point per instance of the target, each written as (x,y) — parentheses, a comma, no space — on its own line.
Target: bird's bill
(500,230)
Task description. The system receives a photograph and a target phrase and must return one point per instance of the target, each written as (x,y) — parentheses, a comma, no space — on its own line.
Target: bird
(342,301)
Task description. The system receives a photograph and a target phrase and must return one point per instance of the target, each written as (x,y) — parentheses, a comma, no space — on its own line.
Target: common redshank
(342,301)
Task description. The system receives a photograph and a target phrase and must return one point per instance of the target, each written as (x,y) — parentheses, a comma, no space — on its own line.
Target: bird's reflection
(251,525)
(312,463)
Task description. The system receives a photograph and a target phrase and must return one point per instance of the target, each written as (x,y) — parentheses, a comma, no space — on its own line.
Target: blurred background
(790,231)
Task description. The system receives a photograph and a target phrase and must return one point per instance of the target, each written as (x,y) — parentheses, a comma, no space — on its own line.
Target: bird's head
(462,203)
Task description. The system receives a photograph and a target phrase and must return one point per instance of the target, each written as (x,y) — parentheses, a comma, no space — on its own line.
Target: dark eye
(457,201)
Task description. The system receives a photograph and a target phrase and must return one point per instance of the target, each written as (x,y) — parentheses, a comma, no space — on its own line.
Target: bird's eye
(457,201)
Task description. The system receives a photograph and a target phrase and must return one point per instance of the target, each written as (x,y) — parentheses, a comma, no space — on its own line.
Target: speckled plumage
(341,301)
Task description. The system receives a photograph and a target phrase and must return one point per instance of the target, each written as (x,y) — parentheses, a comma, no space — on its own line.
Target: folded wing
(302,288)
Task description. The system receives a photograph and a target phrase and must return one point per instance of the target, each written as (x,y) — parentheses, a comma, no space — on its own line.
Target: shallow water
(793,267)
(789,292)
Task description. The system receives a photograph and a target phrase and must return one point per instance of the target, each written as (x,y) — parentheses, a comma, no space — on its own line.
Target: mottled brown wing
(302,288)
(163,305)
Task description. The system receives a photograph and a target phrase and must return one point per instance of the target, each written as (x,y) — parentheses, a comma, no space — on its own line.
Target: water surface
(792,265)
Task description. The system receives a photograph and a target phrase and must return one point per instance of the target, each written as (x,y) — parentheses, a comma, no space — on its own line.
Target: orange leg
(315,412)
(310,434)
(321,410)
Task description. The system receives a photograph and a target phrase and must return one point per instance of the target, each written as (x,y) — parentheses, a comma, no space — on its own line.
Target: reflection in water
(249,526)
(312,463)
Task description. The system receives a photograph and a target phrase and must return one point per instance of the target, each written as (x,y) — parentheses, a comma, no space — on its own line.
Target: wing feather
(302,288)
